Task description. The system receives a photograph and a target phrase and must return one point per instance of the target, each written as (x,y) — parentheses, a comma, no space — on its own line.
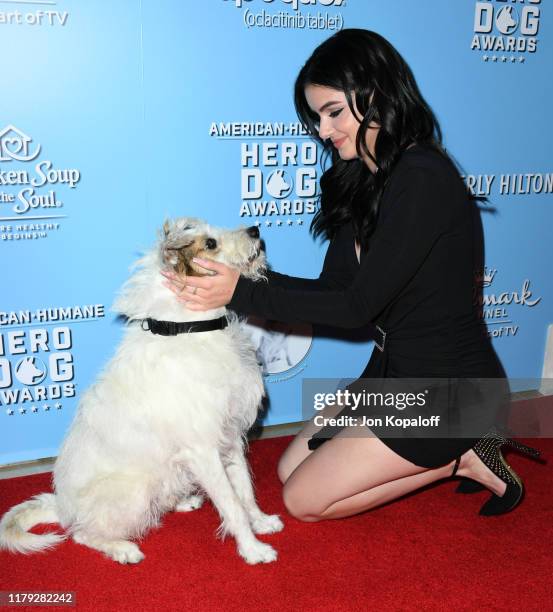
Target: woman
(395,211)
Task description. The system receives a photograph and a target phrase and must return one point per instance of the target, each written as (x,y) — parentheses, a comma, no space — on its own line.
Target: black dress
(417,283)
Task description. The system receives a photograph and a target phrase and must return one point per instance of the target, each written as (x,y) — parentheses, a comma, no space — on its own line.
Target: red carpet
(428,551)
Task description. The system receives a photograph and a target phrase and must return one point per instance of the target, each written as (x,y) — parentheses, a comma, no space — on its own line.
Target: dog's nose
(253,231)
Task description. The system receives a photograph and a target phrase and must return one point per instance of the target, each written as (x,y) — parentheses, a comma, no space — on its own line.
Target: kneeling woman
(399,224)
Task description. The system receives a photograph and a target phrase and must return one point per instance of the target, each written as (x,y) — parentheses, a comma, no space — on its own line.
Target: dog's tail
(15,525)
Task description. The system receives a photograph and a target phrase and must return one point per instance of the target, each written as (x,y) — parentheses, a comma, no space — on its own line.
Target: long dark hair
(363,63)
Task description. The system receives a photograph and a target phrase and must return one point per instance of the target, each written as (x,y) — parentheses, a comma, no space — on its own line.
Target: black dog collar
(171,328)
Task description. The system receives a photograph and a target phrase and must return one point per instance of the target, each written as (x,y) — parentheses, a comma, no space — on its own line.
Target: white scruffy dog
(166,420)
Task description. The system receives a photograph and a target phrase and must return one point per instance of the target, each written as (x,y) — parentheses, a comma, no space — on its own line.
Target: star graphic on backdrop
(485,58)
(257,223)
(521,59)
(34,409)
(279,222)
(300,221)
(513,59)
(9,412)
(290,222)
(494,58)
(268,223)
(22,410)
(503,59)
(58,406)
(46,407)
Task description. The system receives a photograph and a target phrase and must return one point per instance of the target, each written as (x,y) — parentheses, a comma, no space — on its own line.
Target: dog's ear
(186,224)
(181,234)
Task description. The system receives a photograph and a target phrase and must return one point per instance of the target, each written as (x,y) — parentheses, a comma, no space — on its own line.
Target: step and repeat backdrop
(116,115)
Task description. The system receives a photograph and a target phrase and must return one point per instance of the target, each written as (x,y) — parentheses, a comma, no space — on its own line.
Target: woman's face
(338,123)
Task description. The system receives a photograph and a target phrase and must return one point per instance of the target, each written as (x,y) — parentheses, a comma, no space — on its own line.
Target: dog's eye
(211,243)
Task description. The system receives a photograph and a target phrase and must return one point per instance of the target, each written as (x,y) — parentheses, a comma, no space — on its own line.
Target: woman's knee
(283,468)
(298,503)
(296,452)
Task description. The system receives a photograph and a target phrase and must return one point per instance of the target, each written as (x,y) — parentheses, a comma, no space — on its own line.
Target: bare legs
(353,472)
(348,475)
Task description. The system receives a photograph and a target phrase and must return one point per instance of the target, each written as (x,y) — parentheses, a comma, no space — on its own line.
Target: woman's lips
(338,143)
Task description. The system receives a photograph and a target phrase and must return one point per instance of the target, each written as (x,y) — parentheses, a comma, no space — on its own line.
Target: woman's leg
(298,450)
(352,473)
(472,467)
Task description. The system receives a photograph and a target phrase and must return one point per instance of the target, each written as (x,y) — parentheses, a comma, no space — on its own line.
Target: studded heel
(488,450)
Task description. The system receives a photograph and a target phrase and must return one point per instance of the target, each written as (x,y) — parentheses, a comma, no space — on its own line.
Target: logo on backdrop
(498,306)
(41,378)
(506,32)
(35,17)
(530,183)
(30,205)
(290,14)
(36,357)
(279,347)
(278,171)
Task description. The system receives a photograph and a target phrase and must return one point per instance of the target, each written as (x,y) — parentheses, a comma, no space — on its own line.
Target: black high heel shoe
(468,486)
(488,450)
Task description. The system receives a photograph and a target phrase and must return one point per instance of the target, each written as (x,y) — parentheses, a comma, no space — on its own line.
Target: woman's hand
(204,292)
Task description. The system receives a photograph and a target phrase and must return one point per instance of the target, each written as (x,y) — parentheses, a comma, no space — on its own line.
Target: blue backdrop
(117,115)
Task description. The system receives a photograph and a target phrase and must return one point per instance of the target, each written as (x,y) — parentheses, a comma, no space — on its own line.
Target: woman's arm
(335,273)
(418,212)
(416,218)
(276,279)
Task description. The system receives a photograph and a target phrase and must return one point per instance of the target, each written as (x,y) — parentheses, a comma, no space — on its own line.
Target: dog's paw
(187,504)
(267,523)
(125,552)
(121,551)
(258,552)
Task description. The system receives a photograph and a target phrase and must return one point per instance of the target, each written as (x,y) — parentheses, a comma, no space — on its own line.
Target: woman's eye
(335,113)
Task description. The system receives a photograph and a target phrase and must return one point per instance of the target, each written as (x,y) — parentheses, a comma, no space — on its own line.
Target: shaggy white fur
(166,420)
